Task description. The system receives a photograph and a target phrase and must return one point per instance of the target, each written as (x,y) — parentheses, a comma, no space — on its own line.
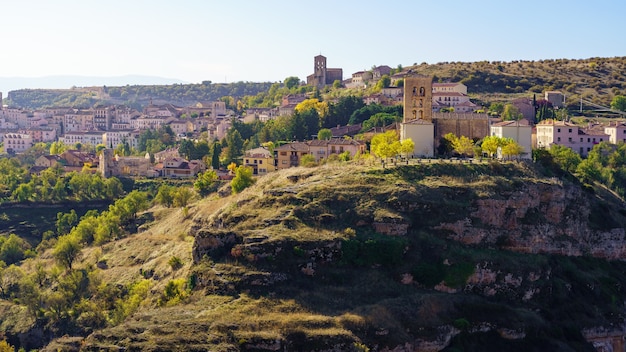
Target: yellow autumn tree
(320,106)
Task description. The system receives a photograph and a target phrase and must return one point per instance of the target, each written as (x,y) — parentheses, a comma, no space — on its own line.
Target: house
(261,160)
(321,149)
(46,161)
(375,99)
(555,132)
(167,153)
(289,155)
(391,92)
(181,168)
(449,88)
(556,98)
(77,159)
(526,108)
(616,131)
(519,131)
(380,71)
(261,114)
(459,101)
(567,134)
(348,130)
(359,79)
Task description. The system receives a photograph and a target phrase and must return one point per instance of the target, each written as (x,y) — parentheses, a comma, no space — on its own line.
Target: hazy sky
(268,40)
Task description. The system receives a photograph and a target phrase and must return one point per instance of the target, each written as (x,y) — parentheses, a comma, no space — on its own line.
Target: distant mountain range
(8,84)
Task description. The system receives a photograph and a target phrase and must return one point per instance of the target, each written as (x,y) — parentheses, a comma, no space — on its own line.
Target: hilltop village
(431,110)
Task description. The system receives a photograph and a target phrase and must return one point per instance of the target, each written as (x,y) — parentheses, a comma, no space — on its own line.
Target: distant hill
(596,80)
(8,84)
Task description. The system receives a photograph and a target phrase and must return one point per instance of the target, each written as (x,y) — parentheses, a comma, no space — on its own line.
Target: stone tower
(320,71)
(418,98)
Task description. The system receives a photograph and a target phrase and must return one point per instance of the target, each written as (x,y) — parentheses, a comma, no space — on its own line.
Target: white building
(422,133)
(616,131)
(519,131)
(17,142)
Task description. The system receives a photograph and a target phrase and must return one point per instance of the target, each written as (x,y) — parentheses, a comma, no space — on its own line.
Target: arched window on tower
(422,91)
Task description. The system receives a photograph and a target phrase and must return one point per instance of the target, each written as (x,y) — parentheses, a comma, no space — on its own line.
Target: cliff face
(418,228)
(539,218)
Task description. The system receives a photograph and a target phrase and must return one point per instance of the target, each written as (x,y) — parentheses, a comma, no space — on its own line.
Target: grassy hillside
(595,79)
(352,257)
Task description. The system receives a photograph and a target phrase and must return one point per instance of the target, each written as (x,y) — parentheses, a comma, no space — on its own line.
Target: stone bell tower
(418,98)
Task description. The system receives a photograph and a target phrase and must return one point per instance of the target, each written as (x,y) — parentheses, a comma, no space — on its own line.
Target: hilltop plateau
(345,256)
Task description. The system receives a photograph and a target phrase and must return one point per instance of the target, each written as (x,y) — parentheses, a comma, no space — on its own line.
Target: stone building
(322,75)
(417,123)
(419,119)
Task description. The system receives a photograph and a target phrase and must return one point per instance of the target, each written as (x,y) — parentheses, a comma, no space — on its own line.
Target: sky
(269,40)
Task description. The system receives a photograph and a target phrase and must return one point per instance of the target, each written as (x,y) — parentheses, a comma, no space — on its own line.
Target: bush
(175,262)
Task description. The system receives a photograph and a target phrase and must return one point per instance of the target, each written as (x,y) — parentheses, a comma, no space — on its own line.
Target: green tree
(67,250)
(324,134)
(66,221)
(235,146)
(292,82)
(307,160)
(242,180)
(57,148)
(339,113)
(23,193)
(384,82)
(165,195)
(511,113)
(496,109)
(216,150)
(589,170)
(618,103)
(182,196)
(565,157)
(12,249)
(205,182)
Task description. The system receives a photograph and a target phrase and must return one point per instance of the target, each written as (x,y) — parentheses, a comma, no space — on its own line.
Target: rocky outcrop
(539,218)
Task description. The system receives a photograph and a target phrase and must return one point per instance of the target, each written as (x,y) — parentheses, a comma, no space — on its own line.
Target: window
(570,130)
(255,161)
(588,140)
(558,139)
(581,139)
(588,149)
(284,162)
(558,130)
(247,161)
(569,139)
(283,153)
(581,150)
(260,161)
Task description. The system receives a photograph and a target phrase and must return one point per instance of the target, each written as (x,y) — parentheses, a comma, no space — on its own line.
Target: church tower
(418,98)
(320,71)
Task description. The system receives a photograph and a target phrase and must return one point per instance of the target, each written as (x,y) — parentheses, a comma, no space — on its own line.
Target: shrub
(175,262)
